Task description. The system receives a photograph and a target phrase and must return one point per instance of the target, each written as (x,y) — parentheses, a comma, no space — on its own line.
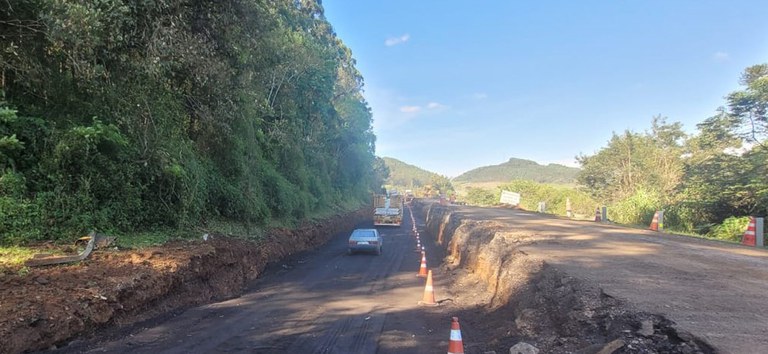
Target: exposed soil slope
(51,305)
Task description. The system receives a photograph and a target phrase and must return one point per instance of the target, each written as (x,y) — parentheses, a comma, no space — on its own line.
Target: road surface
(324,301)
(715,290)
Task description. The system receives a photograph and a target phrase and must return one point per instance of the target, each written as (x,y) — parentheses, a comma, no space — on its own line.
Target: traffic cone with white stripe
(749,236)
(423,267)
(598,215)
(429,293)
(655,222)
(455,346)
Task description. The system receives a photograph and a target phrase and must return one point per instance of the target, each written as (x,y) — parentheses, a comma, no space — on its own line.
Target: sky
(456,85)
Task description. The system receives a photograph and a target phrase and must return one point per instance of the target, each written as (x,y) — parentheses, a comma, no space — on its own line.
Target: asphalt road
(714,290)
(324,301)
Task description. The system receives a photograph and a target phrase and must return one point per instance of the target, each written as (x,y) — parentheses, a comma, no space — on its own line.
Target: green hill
(520,169)
(405,176)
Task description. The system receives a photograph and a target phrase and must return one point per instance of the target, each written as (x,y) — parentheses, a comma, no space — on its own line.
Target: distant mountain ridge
(406,175)
(521,169)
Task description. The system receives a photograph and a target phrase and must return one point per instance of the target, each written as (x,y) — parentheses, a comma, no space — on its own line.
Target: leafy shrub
(481,197)
(732,229)
(637,209)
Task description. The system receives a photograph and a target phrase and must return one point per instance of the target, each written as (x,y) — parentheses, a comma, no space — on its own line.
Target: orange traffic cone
(455,346)
(749,236)
(429,293)
(598,216)
(423,267)
(655,222)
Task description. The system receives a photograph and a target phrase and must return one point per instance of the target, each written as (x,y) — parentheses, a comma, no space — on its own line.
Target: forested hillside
(707,182)
(404,176)
(521,169)
(125,115)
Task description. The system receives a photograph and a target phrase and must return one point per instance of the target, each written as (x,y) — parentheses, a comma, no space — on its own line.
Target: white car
(365,240)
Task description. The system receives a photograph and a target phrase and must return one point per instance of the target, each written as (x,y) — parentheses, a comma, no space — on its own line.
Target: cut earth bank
(520,298)
(46,307)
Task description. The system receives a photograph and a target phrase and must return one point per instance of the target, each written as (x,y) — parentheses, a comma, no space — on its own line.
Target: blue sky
(455,85)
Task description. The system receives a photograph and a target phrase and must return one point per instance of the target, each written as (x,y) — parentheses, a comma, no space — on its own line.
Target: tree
(650,160)
(749,106)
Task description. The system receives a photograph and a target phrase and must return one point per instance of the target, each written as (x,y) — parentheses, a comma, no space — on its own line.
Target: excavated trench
(530,301)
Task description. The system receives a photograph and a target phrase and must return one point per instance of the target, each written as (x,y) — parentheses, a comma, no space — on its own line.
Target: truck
(387,209)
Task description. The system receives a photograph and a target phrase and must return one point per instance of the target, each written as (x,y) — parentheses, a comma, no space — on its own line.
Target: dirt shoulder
(52,305)
(700,291)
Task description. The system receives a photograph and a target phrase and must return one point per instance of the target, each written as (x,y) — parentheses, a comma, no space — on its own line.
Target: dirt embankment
(50,306)
(531,301)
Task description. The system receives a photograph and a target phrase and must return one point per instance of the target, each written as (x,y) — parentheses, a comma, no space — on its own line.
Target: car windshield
(363,234)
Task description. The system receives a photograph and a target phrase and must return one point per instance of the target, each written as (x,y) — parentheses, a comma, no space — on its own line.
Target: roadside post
(605,213)
(759,232)
(661,220)
(568,210)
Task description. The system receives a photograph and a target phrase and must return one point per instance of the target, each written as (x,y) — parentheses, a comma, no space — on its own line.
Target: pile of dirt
(49,306)
(522,299)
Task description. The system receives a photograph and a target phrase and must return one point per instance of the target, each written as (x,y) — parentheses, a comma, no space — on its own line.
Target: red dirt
(51,305)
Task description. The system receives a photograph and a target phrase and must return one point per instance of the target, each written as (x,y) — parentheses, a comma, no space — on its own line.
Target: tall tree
(631,161)
(749,106)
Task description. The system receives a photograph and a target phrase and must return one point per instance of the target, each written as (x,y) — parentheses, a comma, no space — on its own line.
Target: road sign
(510,198)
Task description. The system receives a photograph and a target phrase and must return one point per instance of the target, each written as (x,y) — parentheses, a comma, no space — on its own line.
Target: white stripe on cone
(455,335)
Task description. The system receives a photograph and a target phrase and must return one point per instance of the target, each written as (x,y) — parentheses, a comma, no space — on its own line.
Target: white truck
(387,210)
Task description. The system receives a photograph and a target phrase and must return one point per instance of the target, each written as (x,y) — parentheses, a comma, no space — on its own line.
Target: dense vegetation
(707,182)
(403,176)
(515,169)
(130,115)
(531,193)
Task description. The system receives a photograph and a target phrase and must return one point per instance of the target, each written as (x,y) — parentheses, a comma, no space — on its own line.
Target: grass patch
(14,256)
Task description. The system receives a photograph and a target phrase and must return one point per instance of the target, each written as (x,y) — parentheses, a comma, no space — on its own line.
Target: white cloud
(435,105)
(410,109)
(397,40)
(721,57)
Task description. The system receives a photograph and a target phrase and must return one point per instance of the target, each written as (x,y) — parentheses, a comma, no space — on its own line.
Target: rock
(523,348)
(611,347)
(42,280)
(685,336)
(646,328)
(687,350)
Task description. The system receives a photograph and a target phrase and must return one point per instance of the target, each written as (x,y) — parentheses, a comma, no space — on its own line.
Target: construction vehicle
(408,196)
(387,209)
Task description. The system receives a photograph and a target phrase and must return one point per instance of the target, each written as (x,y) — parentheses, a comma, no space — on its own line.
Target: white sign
(511,198)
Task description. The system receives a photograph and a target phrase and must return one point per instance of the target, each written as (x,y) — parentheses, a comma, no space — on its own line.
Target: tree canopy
(134,114)
(701,180)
